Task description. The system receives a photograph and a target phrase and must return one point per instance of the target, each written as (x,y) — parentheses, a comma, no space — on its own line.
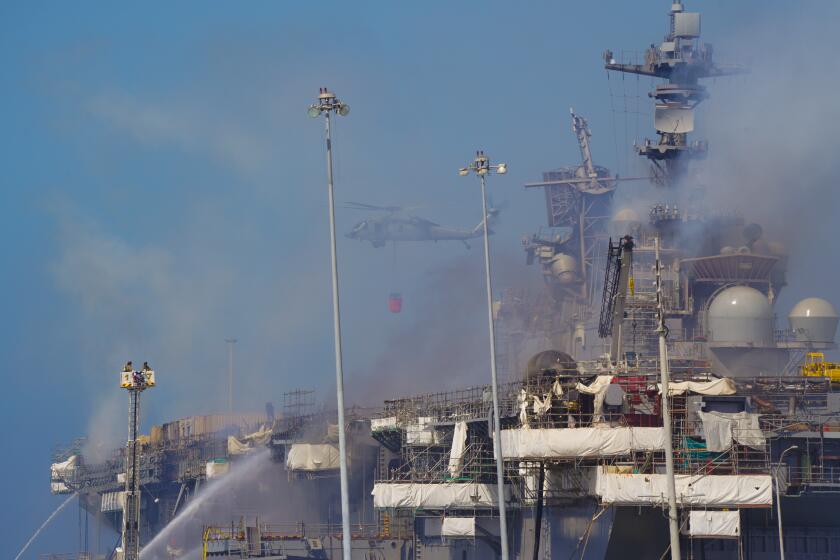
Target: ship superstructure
(755,410)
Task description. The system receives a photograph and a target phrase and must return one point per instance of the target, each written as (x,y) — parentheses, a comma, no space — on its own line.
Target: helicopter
(397,225)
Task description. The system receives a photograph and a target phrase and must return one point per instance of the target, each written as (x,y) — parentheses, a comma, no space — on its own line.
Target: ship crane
(135,382)
(578,199)
(616,284)
(581,129)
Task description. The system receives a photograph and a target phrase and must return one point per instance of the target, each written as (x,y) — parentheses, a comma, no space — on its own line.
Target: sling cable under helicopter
(395,298)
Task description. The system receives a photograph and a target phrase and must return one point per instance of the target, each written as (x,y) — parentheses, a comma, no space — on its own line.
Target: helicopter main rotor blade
(362,206)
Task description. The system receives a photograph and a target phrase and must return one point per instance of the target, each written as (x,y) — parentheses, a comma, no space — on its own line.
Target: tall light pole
(135,382)
(481,166)
(673,512)
(779,501)
(326,104)
(230,342)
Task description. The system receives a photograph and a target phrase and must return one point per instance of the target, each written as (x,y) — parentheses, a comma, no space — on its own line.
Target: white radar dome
(741,315)
(813,320)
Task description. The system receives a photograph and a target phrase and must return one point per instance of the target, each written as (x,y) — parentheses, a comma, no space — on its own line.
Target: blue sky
(163,188)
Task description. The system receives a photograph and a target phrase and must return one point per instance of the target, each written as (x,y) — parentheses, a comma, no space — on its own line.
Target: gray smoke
(773,136)
(446,345)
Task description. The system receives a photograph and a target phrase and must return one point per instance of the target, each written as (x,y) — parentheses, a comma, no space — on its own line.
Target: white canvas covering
(528,443)
(714,524)
(249,442)
(692,490)
(599,389)
(112,501)
(720,428)
(601,382)
(722,386)
(458,527)
(421,433)
(565,482)
(435,496)
(456,454)
(542,405)
(59,488)
(215,470)
(522,403)
(236,447)
(312,457)
(61,472)
(378,424)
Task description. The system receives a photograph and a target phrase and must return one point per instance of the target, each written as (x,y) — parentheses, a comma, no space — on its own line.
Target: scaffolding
(560,404)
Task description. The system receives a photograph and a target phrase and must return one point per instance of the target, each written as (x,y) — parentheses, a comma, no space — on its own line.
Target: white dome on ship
(741,314)
(813,320)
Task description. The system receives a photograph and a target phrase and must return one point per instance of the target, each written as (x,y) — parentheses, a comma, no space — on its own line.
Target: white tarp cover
(421,433)
(722,386)
(522,403)
(435,496)
(715,524)
(601,382)
(312,457)
(458,527)
(60,472)
(747,431)
(693,490)
(112,501)
(236,447)
(528,443)
(566,482)
(249,442)
(720,428)
(456,454)
(215,470)
(377,424)
(542,405)
(64,469)
(599,389)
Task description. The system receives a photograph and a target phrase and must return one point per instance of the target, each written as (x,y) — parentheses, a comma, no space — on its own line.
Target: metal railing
(814,475)
(266,539)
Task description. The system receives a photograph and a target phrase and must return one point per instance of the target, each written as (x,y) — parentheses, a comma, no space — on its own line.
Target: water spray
(44,525)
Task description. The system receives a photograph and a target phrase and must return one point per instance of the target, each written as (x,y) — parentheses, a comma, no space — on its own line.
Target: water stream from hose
(44,525)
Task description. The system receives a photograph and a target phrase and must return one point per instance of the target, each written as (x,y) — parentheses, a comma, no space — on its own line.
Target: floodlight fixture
(327,103)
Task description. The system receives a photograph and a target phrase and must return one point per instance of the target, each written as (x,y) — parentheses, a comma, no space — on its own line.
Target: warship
(651,398)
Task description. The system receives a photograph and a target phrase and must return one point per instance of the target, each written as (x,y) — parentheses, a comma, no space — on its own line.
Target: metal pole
(497,426)
(131,506)
(339,372)
(779,500)
(673,520)
(779,512)
(230,342)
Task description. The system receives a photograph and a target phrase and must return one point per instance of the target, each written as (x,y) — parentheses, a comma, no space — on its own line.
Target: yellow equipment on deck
(816,366)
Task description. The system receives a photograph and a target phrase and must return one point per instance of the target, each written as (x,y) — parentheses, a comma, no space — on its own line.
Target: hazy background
(163,189)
